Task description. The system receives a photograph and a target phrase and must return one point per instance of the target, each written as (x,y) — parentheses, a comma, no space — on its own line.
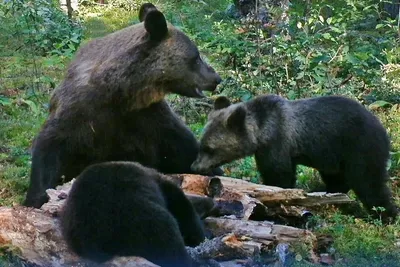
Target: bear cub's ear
(154,21)
(236,119)
(221,102)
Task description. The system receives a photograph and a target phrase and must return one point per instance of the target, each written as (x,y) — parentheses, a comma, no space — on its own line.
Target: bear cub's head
(230,134)
(177,66)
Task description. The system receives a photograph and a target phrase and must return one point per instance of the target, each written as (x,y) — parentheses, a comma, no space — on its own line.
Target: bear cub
(335,135)
(126,209)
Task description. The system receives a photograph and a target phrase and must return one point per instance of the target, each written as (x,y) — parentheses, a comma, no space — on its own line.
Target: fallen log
(253,201)
(269,195)
(34,234)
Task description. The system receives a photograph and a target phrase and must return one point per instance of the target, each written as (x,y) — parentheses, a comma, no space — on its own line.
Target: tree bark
(69,8)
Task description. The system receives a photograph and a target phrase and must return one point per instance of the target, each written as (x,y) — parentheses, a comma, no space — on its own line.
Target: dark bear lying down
(125,209)
(335,135)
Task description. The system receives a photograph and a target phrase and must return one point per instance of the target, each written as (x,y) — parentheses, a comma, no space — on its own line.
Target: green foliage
(359,242)
(120,5)
(18,125)
(100,20)
(316,53)
(309,179)
(40,26)
(243,169)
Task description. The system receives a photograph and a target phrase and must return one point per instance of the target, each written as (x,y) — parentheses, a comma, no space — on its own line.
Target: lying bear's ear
(154,21)
(221,102)
(235,121)
(145,9)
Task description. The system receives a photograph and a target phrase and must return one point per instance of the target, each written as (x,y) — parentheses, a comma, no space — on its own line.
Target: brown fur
(126,209)
(125,65)
(111,105)
(335,135)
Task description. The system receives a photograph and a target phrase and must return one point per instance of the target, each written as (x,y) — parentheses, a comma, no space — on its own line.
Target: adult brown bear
(111,107)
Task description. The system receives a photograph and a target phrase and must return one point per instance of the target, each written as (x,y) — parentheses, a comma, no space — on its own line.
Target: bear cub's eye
(207,150)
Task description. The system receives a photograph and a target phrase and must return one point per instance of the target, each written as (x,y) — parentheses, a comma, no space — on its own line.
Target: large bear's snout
(210,77)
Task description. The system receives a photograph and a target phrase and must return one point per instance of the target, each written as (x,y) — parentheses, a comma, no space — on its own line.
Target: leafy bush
(39,27)
(128,5)
(324,48)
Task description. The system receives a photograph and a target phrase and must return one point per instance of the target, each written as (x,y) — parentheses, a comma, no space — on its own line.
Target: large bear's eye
(195,61)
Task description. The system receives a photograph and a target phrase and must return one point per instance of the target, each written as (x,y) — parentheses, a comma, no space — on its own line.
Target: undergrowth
(353,52)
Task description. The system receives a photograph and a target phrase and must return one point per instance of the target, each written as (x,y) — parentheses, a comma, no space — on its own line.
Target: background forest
(301,48)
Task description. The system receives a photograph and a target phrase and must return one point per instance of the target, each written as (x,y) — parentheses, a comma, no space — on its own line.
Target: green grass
(99,22)
(17,127)
(23,108)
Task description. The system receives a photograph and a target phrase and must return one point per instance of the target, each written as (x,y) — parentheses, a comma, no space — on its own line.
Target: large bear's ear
(144,10)
(235,121)
(154,21)
(221,102)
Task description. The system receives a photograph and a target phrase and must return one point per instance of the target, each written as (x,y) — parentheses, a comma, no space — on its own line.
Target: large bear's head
(135,67)
(140,64)
(230,134)
(175,59)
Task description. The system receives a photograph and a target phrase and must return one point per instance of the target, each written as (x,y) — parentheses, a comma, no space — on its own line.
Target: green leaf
(4,101)
(291,95)
(379,104)
(300,75)
(352,59)
(327,36)
(299,25)
(246,97)
(32,105)
(226,50)
(320,58)
(336,29)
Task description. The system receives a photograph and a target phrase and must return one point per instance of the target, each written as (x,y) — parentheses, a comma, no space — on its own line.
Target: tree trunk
(69,8)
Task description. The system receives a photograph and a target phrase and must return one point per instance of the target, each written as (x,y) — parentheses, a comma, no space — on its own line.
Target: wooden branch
(225,247)
(276,195)
(321,198)
(264,232)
